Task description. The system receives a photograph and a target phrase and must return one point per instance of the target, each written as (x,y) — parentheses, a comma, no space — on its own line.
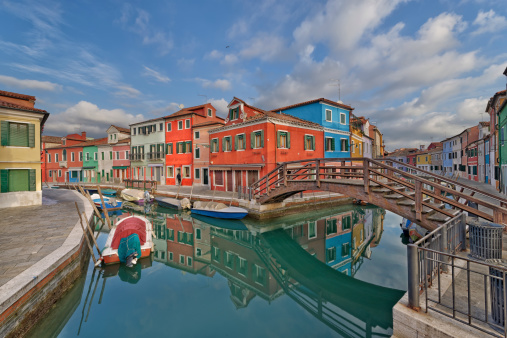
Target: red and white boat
(124,228)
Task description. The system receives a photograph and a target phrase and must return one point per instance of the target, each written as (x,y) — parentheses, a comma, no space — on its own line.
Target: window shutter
(252,140)
(288,139)
(189,146)
(223,144)
(346,145)
(305,140)
(31,135)
(236,138)
(32,180)
(167,148)
(183,147)
(4,176)
(278,139)
(177,147)
(5,134)
(18,134)
(332,144)
(262,138)
(313,142)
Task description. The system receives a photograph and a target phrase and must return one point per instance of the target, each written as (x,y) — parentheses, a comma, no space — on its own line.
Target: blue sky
(420,70)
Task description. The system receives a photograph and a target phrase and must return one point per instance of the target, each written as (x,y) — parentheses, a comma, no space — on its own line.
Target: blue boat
(218,210)
(109,204)
(109,192)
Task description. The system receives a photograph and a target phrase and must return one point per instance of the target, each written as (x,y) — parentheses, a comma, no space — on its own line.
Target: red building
(180,150)
(253,142)
(471,150)
(61,159)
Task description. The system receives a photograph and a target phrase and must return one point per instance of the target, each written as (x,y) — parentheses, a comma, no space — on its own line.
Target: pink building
(201,151)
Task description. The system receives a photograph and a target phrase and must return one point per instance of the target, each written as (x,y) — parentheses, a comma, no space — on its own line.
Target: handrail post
(285,174)
(463,231)
(366,176)
(444,245)
(418,200)
(413,276)
(317,167)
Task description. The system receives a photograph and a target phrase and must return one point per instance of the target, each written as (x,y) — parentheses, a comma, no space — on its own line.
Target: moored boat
(218,210)
(168,202)
(130,238)
(137,196)
(230,224)
(109,192)
(412,230)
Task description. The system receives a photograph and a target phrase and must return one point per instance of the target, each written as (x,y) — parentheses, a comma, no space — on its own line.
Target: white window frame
(210,112)
(198,252)
(72,158)
(218,145)
(59,172)
(49,158)
(180,125)
(230,140)
(81,156)
(187,122)
(325,143)
(95,156)
(260,145)
(315,142)
(196,155)
(56,158)
(189,261)
(169,126)
(117,155)
(50,173)
(344,118)
(198,171)
(182,259)
(189,171)
(315,224)
(167,171)
(330,117)
(197,134)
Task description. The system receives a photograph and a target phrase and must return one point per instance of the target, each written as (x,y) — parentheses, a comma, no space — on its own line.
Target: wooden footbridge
(424,198)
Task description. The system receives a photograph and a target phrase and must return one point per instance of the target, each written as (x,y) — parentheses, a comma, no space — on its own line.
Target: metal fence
(473,290)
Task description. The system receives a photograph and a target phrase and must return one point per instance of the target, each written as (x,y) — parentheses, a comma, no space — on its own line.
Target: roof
(17,96)
(121,129)
(208,123)
(146,121)
(492,99)
(281,116)
(333,103)
(92,142)
(11,105)
(51,139)
(403,152)
(484,123)
(189,110)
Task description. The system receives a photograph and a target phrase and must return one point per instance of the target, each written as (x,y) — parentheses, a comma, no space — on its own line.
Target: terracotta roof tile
(208,123)
(17,96)
(6,104)
(51,139)
(122,130)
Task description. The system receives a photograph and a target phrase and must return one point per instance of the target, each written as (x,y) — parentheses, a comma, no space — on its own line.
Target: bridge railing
(426,192)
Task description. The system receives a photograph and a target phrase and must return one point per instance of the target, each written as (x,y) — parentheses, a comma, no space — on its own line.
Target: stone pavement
(28,234)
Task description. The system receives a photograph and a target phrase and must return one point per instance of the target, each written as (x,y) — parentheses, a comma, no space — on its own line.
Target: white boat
(218,210)
(136,196)
(124,228)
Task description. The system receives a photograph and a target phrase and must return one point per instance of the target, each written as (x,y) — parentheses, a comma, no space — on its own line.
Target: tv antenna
(337,83)
(206,96)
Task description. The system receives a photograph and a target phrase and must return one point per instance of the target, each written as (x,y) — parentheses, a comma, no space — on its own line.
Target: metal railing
(140,184)
(433,258)
(155,155)
(136,157)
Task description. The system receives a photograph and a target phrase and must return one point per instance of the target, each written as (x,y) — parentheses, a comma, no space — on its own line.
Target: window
(56,157)
(198,233)
(214,145)
(169,149)
(210,112)
(50,173)
(17,180)
(102,156)
(180,125)
(64,155)
(186,172)
(188,146)
(126,154)
(234,114)
(49,158)
(312,229)
(197,153)
(309,142)
(87,156)
(189,261)
(171,256)
(257,139)
(72,157)
(242,266)
(344,144)
(161,126)
(331,227)
(259,274)
(330,254)
(117,155)
(345,249)
(196,135)
(59,172)
(18,134)
(182,259)
(343,118)
(180,147)
(110,155)
(80,156)
(95,156)
(187,124)
(329,115)
(226,143)
(215,254)
(197,173)
(329,144)
(198,252)
(134,131)
(346,222)
(168,126)
(170,172)
(283,139)
(240,142)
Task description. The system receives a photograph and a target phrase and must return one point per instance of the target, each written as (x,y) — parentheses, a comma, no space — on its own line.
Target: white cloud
(86,116)
(186,64)
(127,91)
(29,84)
(489,22)
(221,84)
(265,47)
(220,105)
(156,75)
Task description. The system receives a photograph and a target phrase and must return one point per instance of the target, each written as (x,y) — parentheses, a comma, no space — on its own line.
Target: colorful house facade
(20,150)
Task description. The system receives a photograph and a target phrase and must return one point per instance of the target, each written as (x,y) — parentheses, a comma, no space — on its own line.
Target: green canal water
(334,272)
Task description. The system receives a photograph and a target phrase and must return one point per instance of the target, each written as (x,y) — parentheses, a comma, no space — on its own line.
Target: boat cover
(127,227)
(128,246)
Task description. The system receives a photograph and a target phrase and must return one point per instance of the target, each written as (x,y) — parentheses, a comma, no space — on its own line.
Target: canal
(334,272)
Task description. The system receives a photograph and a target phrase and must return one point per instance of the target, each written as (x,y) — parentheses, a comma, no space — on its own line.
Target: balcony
(136,157)
(155,155)
(63,164)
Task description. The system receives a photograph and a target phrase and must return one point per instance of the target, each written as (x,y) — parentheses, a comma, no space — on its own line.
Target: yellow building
(423,160)
(356,138)
(20,150)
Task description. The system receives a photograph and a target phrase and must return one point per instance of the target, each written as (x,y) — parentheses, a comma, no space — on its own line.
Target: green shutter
(304,141)
(278,139)
(236,138)
(19,180)
(262,138)
(313,142)
(288,139)
(189,146)
(32,180)
(4,176)
(223,144)
(332,144)
(5,134)
(346,145)
(110,155)
(252,140)
(18,134)
(31,135)
(177,147)
(167,148)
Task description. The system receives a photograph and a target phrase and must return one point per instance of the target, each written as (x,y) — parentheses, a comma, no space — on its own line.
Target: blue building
(339,242)
(333,116)
(486,160)
(447,156)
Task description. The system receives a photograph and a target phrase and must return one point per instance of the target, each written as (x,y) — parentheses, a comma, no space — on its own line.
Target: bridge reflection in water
(311,258)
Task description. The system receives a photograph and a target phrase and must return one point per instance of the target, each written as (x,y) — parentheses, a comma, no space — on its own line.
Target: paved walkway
(28,234)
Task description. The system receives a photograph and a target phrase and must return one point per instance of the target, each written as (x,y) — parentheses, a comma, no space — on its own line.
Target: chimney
(83,135)
(421,147)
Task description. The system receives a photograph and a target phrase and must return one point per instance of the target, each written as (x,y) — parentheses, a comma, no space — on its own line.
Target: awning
(121,167)
(156,165)
(89,167)
(75,168)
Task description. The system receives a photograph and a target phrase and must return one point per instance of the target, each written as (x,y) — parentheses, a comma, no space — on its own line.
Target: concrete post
(463,232)
(444,246)
(413,276)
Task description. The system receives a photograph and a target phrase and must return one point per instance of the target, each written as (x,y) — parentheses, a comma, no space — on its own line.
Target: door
(157,174)
(253,176)
(178,171)
(205,176)
(229,180)
(237,179)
